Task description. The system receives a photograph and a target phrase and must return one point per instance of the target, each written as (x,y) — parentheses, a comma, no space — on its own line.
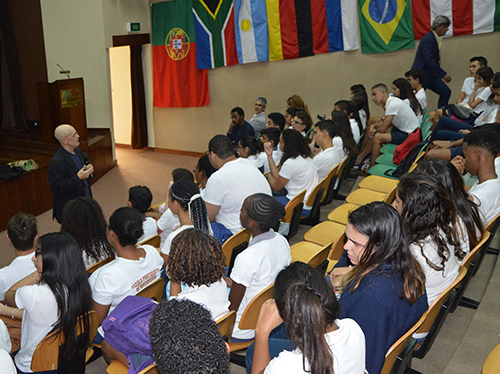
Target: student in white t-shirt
(297,171)
(134,268)
(400,115)
(257,266)
(22,233)
(349,108)
(250,148)
(6,362)
(41,299)
(415,77)
(271,135)
(324,133)
(302,297)
(84,220)
(403,90)
(234,181)
(344,141)
(140,198)
(186,202)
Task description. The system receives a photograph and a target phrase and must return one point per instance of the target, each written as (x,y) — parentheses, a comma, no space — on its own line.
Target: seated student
(276,120)
(297,171)
(309,308)
(403,90)
(177,175)
(258,121)
(435,238)
(185,339)
(197,261)
(359,98)
(186,203)
(22,233)
(349,108)
(140,198)
(235,180)
(51,299)
(324,133)
(398,122)
(84,220)
(6,362)
(384,292)
(296,102)
(480,148)
(302,123)
(251,148)
(344,141)
(272,136)
(289,115)
(133,269)
(469,218)
(239,127)
(202,172)
(414,77)
(257,266)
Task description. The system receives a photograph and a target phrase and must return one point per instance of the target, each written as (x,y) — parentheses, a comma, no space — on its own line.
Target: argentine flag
(252,41)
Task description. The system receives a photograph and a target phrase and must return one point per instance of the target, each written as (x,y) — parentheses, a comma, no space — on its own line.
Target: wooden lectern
(62,101)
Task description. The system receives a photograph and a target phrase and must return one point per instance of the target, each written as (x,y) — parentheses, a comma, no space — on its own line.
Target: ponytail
(187,194)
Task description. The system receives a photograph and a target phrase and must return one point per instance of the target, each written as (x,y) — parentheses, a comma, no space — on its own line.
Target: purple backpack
(126,328)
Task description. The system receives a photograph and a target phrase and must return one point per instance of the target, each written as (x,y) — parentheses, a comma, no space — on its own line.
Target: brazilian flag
(385,25)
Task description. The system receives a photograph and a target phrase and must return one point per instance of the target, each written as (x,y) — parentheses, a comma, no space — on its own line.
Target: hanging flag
(385,25)
(252,40)
(299,28)
(215,35)
(176,80)
(466,16)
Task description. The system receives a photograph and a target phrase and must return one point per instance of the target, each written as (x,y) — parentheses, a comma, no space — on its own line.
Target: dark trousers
(448,129)
(442,89)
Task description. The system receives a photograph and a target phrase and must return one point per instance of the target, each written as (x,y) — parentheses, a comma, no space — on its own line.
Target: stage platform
(31,191)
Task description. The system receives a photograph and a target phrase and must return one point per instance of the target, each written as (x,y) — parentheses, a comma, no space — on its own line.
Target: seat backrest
(390,196)
(337,249)
(470,256)
(239,238)
(46,354)
(250,315)
(330,186)
(154,290)
(155,241)
(226,324)
(340,173)
(297,199)
(312,196)
(492,226)
(91,269)
(151,369)
(319,257)
(417,160)
(399,345)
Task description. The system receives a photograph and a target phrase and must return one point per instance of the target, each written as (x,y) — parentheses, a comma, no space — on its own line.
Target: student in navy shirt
(384,292)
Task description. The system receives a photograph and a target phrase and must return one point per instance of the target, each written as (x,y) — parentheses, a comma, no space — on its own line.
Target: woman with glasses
(51,299)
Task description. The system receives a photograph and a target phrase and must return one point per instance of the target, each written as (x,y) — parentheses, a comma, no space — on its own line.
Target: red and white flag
(467,16)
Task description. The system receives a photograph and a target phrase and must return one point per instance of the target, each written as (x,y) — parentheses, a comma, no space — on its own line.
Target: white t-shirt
(122,277)
(497,166)
(467,87)
(6,362)
(363,118)
(301,174)
(355,130)
(150,229)
(167,223)
(258,122)
(165,248)
(213,297)
(435,281)
(487,196)
(276,157)
(347,344)
(326,161)
(338,144)
(256,268)
(404,117)
(256,160)
(422,98)
(40,315)
(228,188)
(19,268)
(5,342)
(489,111)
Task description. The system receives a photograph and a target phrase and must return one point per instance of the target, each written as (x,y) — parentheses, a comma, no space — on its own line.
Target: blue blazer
(427,59)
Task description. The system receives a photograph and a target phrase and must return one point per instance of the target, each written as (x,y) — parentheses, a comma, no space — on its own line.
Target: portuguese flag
(176,80)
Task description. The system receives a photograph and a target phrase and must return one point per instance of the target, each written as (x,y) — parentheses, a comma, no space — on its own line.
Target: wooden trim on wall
(179,152)
(121,145)
(131,39)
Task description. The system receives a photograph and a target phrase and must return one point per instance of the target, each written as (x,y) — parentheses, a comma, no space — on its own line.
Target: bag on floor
(408,161)
(402,150)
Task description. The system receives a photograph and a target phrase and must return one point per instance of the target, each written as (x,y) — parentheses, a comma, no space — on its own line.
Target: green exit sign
(133,26)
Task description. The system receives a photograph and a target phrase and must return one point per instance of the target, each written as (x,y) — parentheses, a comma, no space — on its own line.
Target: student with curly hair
(197,262)
(296,102)
(51,299)
(84,220)
(257,266)
(384,292)
(140,198)
(430,220)
(185,339)
(306,303)
(297,171)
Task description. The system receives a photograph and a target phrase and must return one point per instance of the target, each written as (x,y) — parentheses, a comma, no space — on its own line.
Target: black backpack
(7,173)
(408,161)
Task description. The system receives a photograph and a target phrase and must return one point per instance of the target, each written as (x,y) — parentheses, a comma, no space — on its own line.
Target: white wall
(121,93)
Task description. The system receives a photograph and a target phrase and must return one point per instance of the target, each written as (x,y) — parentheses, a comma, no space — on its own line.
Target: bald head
(67,136)
(63,131)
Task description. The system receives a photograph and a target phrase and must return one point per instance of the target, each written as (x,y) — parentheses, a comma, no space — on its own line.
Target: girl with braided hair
(308,306)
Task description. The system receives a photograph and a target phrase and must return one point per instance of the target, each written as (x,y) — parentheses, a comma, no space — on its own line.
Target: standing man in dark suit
(428,60)
(69,170)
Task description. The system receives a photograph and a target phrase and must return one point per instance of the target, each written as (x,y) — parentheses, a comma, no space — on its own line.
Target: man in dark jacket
(69,170)
(428,60)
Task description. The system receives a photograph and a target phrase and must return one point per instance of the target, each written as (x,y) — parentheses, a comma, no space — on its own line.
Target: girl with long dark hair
(344,141)
(402,89)
(350,108)
(51,299)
